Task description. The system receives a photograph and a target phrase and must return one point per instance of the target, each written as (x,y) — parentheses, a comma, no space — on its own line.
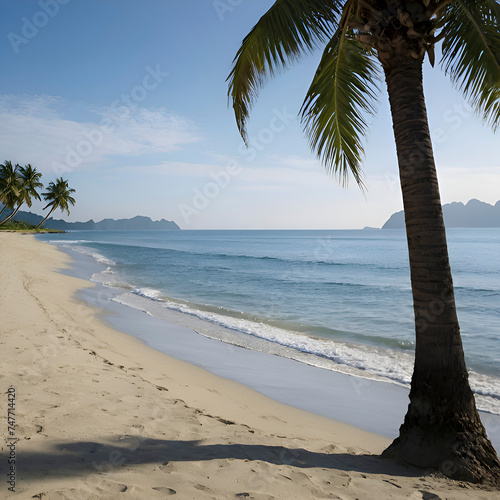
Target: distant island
(474,214)
(138,223)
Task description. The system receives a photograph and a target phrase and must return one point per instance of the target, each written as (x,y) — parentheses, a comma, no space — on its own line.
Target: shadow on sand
(79,459)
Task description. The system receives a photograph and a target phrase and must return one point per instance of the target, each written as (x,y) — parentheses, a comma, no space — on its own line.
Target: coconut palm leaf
(30,183)
(58,195)
(10,179)
(10,184)
(289,29)
(471,53)
(342,93)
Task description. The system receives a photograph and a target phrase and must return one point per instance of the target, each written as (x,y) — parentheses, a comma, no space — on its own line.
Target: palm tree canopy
(58,195)
(30,179)
(10,183)
(344,88)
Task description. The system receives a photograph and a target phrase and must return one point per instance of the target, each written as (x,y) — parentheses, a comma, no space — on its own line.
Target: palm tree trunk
(11,215)
(1,211)
(442,428)
(47,216)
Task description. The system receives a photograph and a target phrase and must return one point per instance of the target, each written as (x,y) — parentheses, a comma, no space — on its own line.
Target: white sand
(98,414)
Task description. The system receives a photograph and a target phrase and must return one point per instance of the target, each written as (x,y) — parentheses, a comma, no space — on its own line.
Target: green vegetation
(365,41)
(18,225)
(9,185)
(19,185)
(59,195)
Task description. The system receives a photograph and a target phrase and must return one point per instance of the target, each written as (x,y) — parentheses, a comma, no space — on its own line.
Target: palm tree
(59,196)
(27,189)
(9,185)
(442,428)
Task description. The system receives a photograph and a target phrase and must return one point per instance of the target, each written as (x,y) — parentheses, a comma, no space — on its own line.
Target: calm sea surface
(340,300)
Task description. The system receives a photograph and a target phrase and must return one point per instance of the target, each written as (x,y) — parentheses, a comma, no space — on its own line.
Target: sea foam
(371,362)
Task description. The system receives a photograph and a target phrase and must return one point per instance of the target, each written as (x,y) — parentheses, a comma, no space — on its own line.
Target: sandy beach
(96,413)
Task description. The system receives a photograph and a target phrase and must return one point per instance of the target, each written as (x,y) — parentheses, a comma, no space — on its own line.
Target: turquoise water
(340,300)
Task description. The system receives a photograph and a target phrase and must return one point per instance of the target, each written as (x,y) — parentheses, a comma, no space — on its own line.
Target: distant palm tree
(59,195)
(9,185)
(442,428)
(29,182)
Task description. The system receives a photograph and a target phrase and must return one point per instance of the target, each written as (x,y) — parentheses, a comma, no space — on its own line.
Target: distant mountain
(137,223)
(474,214)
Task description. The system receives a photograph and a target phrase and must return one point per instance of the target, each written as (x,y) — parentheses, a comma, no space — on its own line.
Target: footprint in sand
(164,490)
(201,487)
(109,487)
(425,495)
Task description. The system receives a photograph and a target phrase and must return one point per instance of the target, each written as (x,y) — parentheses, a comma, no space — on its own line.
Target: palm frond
(471,53)
(30,183)
(10,182)
(342,93)
(288,29)
(59,194)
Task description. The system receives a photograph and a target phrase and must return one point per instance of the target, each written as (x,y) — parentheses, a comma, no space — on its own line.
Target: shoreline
(373,405)
(99,414)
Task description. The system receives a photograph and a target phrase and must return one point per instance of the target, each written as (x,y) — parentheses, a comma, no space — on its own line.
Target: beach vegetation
(9,185)
(23,189)
(367,43)
(20,185)
(16,225)
(58,195)
(25,227)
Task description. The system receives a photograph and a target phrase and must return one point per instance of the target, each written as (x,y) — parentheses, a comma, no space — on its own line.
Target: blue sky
(127,100)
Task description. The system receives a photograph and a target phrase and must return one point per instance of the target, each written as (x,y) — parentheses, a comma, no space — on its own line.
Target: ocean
(338,300)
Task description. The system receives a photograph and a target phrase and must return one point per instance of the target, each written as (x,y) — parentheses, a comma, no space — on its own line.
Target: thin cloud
(297,162)
(33,129)
(174,168)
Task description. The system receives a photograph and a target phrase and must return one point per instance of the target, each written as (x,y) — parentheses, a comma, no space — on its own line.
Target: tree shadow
(79,459)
